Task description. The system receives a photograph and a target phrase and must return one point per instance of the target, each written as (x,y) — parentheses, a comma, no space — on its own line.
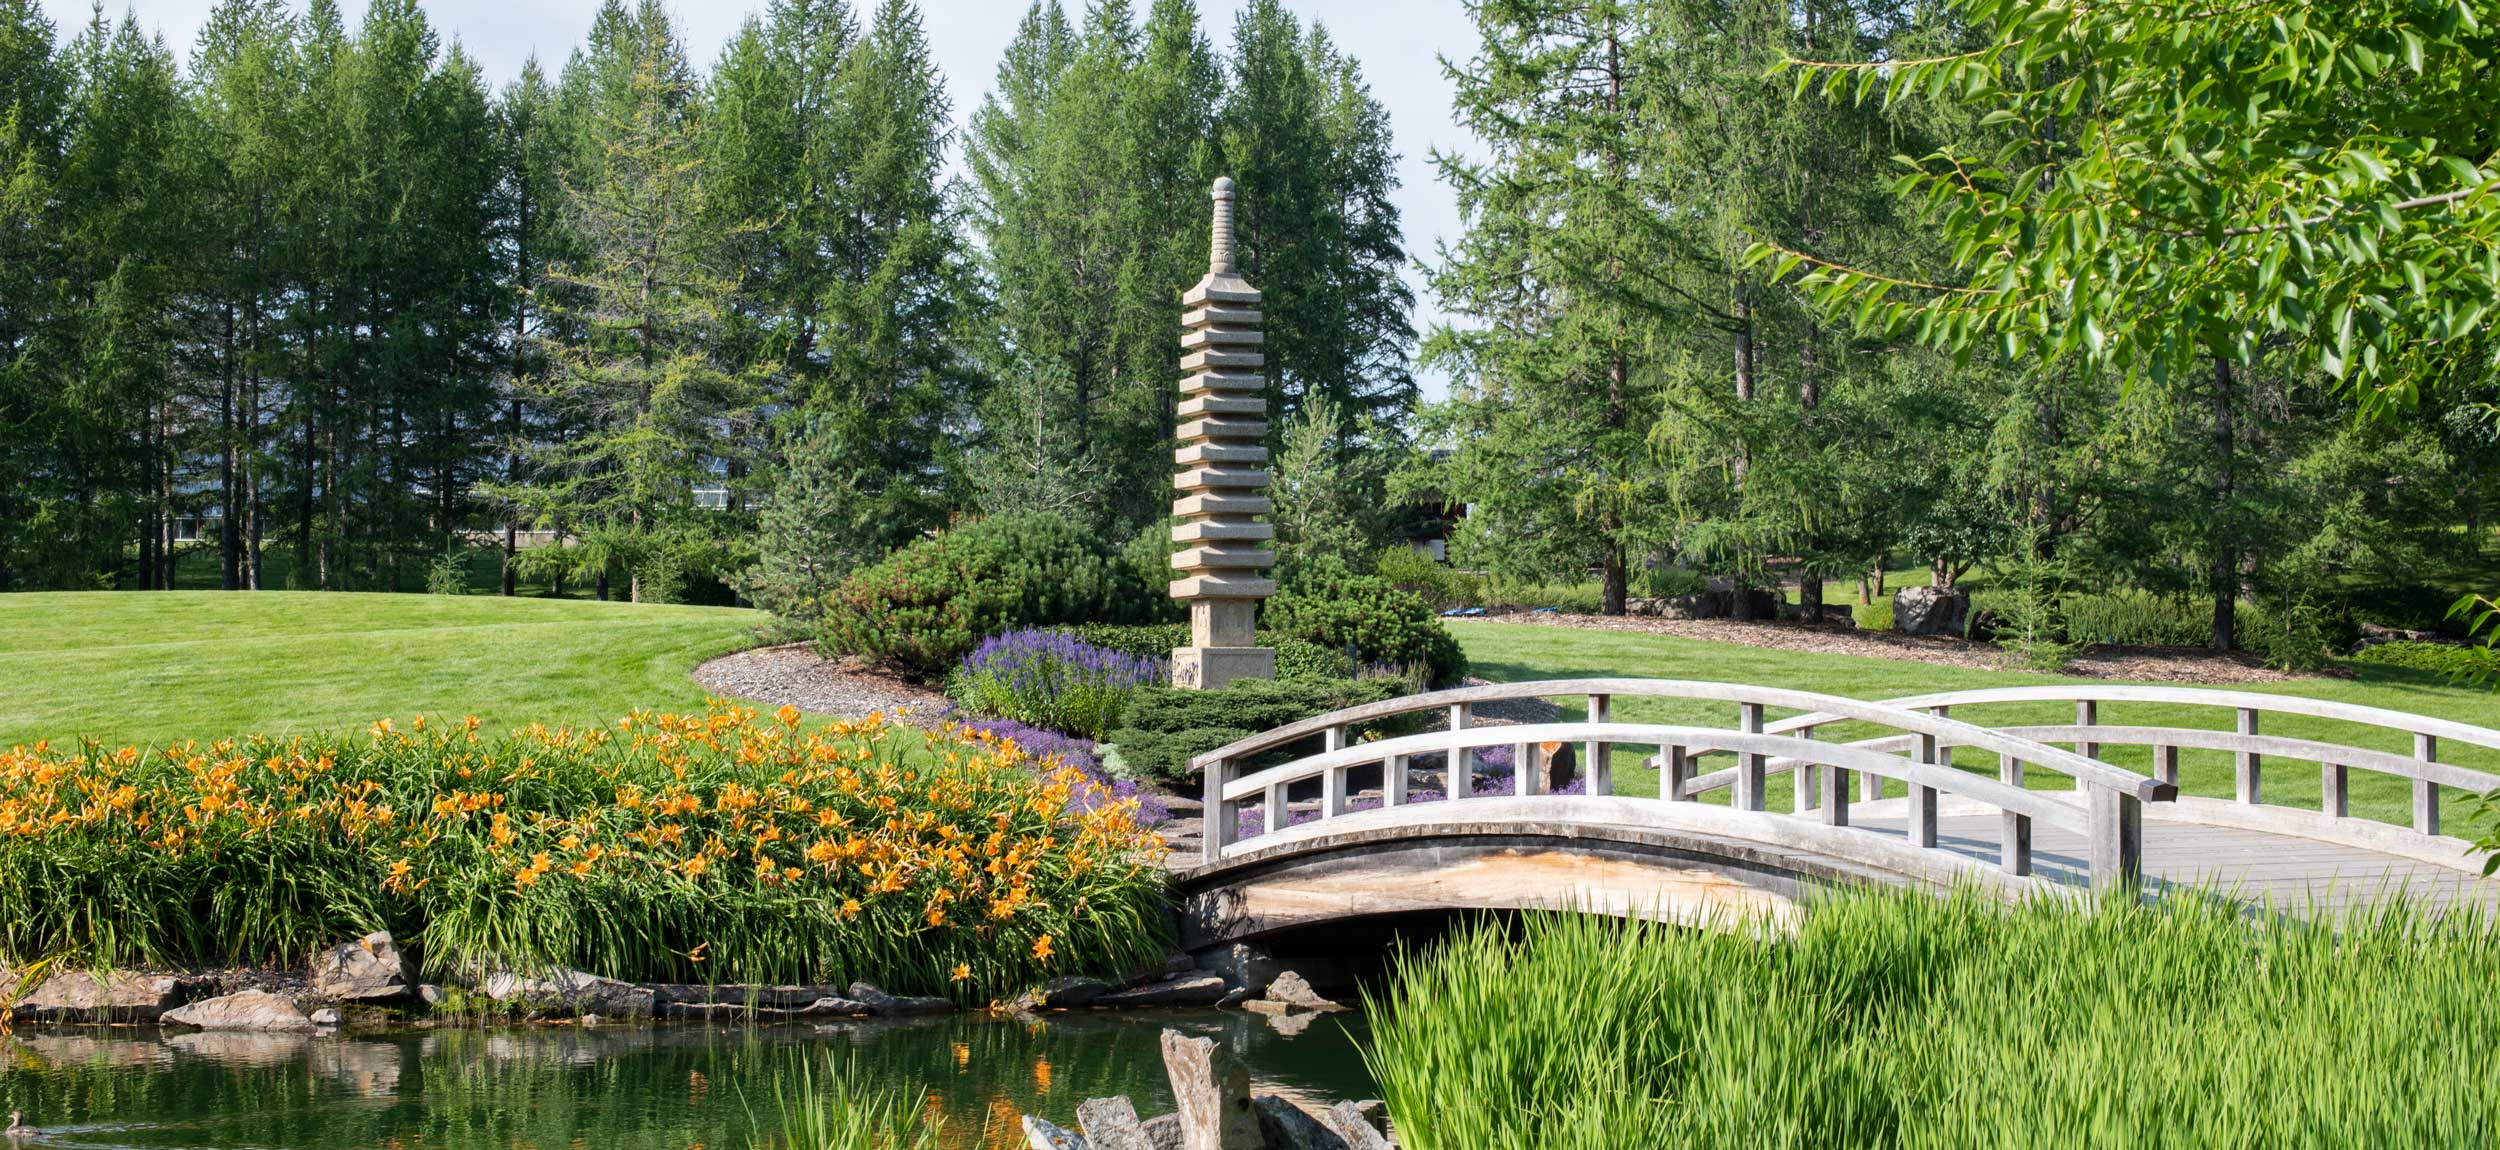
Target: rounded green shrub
(927,604)
(1368,618)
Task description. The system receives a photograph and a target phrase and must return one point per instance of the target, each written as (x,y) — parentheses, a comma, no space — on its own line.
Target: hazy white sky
(1398,41)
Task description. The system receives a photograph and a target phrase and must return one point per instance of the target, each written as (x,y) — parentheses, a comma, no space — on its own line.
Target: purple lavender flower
(1051,679)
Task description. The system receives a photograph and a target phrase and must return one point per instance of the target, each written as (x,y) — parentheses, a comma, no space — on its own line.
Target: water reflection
(663,1088)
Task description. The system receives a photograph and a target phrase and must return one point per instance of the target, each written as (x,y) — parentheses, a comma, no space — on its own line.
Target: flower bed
(699,848)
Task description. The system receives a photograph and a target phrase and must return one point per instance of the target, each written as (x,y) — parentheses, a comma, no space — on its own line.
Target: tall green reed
(1898,1019)
(846,1109)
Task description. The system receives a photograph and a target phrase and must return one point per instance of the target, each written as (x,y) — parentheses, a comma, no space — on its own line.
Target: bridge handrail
(2425,770)
(1835,708)
(2194,696)
(2014,800)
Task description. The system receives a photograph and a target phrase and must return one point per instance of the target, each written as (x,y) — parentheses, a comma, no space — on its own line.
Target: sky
(1399,42)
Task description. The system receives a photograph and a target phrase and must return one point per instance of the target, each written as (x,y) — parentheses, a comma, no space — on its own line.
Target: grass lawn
(151,667)
(1514,652)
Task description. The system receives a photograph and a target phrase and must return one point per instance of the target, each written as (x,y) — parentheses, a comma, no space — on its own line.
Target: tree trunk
(2223,581)
(229,546)
(1810,597)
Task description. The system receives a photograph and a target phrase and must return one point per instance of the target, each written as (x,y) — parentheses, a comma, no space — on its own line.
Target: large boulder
(1213,1093)
(370,969)
(248,1010)
(119,996)
(1931,611)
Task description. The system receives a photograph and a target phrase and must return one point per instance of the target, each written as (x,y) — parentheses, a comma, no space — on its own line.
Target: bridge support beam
(2115,824)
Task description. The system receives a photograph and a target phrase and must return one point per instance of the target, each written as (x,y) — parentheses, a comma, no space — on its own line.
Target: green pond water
(669,1087)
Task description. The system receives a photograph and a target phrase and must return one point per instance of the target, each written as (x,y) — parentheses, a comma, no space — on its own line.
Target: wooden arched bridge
(1352,828)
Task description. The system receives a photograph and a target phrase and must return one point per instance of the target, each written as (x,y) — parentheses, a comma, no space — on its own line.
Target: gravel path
(796,676)
(2163,665)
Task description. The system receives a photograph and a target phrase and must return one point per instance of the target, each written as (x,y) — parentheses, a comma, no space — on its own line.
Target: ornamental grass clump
(722,847)
(1899,1019)
(1051,679)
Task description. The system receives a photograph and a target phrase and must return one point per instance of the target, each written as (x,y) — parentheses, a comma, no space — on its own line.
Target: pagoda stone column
(1222,474)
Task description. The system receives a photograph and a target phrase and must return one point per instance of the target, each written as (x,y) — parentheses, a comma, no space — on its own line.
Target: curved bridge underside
(1707,865)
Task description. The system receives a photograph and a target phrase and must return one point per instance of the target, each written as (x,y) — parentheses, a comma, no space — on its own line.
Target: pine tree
(656,411)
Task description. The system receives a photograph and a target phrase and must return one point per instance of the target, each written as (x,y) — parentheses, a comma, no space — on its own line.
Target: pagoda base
(1211,668)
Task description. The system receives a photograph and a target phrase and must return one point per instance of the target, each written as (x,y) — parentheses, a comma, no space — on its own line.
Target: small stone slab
(1068,991)
(1111,1124)
(1293,990)
(1363,1125)
(1183,990)
(248,1010)
(1041,1135)
(578,991)
(1286,1126)
(1241,964)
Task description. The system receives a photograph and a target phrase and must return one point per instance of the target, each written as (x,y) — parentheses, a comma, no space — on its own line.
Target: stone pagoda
(1222,477)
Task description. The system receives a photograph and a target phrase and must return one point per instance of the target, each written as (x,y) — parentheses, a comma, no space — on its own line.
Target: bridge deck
(2296,875)
(2299,875)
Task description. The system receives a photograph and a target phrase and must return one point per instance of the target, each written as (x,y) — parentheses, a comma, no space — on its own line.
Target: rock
(1213,1093)
(1286,1126)
(1295,991)
(432,995)
(1187,990)
(591,1020)
(1042,1135)
(1235,997)
(1240,964)
(1363,1125)
(1930,611)
(1164,1131)
(328,1016)
(740,994)
(248,1010)
(1291,1024)
(837,1005)
(574,990)
(117,997)
(1266,1006)
(1068,991)
(879,1002)
(371,969)
(1178,963)
(1111,1124)
(1699,605)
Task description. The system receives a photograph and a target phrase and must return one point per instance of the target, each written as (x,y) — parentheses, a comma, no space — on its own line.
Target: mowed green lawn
(155,667)
(1512,652)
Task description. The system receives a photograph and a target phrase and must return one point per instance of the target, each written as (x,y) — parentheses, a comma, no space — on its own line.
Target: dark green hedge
(922,607)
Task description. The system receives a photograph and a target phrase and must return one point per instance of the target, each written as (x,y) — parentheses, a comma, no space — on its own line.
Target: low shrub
(1369,619)
(926,605)
(1167,727)
(2438,658)
(1872,616)
(696,848)
(1051,679)
(1893,1018)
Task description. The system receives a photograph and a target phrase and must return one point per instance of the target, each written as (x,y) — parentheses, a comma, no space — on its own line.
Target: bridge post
(1675,769)
(2166,764)
(1751,771)
(1332,785)
(2250,775)
(1835,782)
(2015,853)
(2334,796)
(2425,792)
(2088,713)
(1220,826)
(1802,777)
(1462,758)
(1526,777)
(1599,767)
(2115,823)
(1923,799)
(1393,781)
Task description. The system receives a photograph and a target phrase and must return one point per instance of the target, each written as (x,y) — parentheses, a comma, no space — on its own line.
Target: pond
(669,1087)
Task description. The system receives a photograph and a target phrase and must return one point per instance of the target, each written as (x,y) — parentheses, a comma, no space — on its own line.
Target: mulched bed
(795,675)
(2153,664)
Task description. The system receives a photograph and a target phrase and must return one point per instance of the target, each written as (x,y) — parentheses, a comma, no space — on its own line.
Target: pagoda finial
(1220,259)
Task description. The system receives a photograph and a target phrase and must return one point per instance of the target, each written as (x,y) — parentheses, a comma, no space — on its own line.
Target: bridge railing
(2249,747)
(2111,817)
